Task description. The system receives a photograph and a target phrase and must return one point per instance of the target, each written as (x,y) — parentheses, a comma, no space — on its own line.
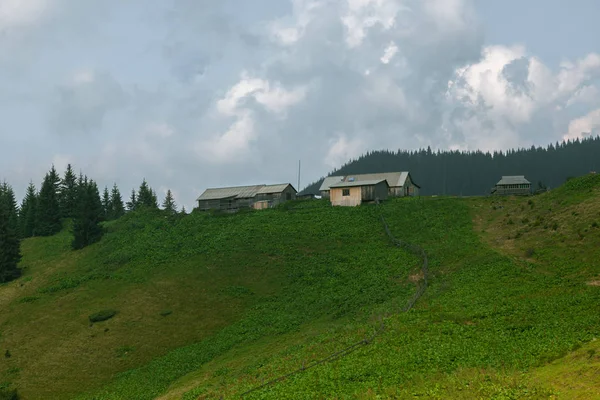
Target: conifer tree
(106,205)
(183,211)
(10,245)
(116,202)
(68,193)
(86,224)
(27,213)
(169,203)
(7,195)
(133,202)
(48,208)
(146,196)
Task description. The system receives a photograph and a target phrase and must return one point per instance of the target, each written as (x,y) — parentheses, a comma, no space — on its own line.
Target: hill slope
(256,295)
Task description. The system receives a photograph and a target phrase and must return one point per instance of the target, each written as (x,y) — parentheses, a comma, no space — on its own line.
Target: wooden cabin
(238,197)
(512,185)
(351,194)
(400,183)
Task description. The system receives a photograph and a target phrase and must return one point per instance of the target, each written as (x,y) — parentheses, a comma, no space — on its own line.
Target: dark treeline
(70,197)
(475,173)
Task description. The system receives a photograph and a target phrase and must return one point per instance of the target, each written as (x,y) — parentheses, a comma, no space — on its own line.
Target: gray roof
(241,192)
(513,180)
(275,188)
(358,183)
(330,180)
(394,179)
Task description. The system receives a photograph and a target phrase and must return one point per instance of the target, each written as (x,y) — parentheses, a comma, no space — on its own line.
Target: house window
(345,192)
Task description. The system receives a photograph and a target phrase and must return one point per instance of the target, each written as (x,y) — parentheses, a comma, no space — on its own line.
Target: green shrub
(510,221)
(594,224)
(530,252)
(28,299)
(164,313)
(554,226)
(525,221)
(102,315)
(9,394)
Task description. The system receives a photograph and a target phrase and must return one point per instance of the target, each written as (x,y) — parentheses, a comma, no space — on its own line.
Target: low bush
(102,315)
(9,394)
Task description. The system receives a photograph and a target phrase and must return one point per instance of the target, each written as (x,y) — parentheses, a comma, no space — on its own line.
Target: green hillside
(216,305)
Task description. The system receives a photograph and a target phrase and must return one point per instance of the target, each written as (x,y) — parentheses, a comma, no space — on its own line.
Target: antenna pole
(298,175)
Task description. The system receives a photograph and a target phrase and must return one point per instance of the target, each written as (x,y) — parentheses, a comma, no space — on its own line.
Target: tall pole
(298,176)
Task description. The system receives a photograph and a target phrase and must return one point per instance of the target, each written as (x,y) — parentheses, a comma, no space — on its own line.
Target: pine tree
(132,204)
(7,195)
(86,224)
(183,212)
(68,193)
(116,202)
(106,205)
(48,208)
(10,245)
(27,213)
(146,197)
(169,203)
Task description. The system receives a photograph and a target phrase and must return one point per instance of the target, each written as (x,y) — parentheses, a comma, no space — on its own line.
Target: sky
(192,94)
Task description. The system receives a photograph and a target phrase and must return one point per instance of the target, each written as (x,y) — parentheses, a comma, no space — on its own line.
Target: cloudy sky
(191,94)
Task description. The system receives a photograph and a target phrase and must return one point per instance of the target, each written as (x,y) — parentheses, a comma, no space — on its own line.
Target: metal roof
(275,188)
(227,192)
(330,180)
(513,180)
(394,179)
(358,183)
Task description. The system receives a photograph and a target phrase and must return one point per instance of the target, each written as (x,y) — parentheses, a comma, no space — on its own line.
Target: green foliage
(106,205)
(67,193)
(27,213)
(6,394)
(169,203)
(165,313)
(29,299)
(48,207)
(102,315)
(146,196)
(86,225)
(10,245)
(116,202)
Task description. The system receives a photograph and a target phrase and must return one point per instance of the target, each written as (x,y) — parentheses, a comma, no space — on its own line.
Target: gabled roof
(394,179)
(242,192)
(267,189)
(358,183)
(513,180)
(239,192)
(330,180)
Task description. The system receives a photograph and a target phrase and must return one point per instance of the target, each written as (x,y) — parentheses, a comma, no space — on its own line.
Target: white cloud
(362,15)
(585,126)
(15,13)
(341,149)
(389,53)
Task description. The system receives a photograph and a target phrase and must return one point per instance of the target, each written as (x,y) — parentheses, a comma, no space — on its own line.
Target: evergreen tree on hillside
(169,203)
(48,208)
(146,197)
(7,195)
(68,193)
(133,202)
(86,224)
(183,211)
(27,213)
(116,202)
(106,205)
(10,245)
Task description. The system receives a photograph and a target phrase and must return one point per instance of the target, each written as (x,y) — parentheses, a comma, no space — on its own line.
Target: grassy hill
(215,305)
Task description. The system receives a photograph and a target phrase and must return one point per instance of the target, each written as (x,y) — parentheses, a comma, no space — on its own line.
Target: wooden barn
(238,197)
(354,193)
(271,195)
(512,185)
(400,183)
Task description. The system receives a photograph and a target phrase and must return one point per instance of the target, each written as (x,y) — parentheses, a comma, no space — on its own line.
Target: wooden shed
(238,197)
(354,193)
(400,183)
(271,195)
(512,185)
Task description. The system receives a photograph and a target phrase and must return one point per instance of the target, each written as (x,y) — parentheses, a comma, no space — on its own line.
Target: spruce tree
(86,224)
(68,193)
(27,213)
(183,211)
(10,245)
(133,202)
(7,195)
(48,207)
(169,203)
(146,196)
(106,205)
(116,202)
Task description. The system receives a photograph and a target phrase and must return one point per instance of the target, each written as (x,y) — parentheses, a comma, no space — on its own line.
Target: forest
(41,213)
(474,173)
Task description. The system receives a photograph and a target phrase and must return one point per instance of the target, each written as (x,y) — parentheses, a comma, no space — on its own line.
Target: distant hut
(512,185)
(354,193)
(238,197)
(272,195)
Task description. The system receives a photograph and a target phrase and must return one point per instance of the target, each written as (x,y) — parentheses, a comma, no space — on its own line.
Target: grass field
(215,305)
